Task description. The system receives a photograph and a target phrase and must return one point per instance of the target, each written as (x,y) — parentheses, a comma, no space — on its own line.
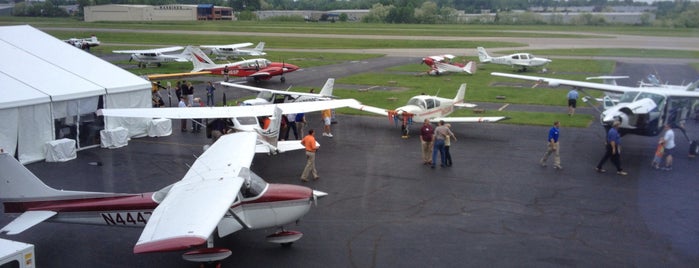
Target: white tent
(50,90)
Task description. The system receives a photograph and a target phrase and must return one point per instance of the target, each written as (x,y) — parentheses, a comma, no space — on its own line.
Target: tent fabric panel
(138,127)
(16,94)
(71,59)
(45,76)
(35,129)
(8,133)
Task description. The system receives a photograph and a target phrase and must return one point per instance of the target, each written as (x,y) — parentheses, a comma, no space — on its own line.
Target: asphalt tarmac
(495,207)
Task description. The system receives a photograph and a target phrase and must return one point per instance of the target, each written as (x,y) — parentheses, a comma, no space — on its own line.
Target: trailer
(16,254)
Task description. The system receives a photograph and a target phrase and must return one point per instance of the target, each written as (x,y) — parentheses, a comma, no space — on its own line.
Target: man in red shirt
(309,141)
(426,133)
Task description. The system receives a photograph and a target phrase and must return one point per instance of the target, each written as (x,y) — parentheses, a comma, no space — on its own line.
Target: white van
(15,254)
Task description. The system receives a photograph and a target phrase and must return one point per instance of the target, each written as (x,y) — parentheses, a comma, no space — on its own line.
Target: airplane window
(655,97)
(525,56)
(253,185)
(436,103)
(430,103)
(247,120)
(628,97)
(516,57)
(266,95)
(417,102)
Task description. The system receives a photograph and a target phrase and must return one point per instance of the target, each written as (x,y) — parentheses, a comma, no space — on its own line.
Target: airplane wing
(227,112)
(474,119)
(280,92)
(195,205)
(370,109)
(26,221)
(231,46)
(152,77)
(155,50)
(554,82)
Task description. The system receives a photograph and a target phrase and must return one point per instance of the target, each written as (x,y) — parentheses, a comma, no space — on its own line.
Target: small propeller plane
(434,108)
(84,43)
(641,110)
(443,64)
(270,96)
(156,55)
(521,60)
(257,69)
(218,194)
(236,50)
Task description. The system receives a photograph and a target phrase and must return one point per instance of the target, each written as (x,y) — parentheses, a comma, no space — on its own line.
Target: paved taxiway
(494,207)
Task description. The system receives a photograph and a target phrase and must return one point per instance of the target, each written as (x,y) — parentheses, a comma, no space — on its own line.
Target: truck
(14,254)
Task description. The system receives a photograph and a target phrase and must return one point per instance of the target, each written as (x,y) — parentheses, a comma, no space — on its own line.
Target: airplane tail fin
(470,67)
(270,136)
(460,94)
(260,46)
(483,55)
(94,40)
(327,89)
(200,60)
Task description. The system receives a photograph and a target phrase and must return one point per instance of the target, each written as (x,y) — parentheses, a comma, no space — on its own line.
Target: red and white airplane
(218,194)
(434,108)
(442,64)
(257,69)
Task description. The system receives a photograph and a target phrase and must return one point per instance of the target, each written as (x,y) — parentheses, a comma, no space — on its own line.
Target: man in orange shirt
(309,141)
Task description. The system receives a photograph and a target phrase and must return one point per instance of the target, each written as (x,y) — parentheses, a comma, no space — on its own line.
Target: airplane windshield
(247,120)
(417,102)
(628,97)
(266,95)
(253,185)
(657,98)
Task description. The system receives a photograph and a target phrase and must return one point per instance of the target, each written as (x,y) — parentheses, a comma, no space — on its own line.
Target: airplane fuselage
(522,60)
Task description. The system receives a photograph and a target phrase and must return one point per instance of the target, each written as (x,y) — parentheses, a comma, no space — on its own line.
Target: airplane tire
(693,148)
(283,79)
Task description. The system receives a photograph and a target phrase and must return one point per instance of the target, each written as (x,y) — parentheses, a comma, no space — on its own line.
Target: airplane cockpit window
(515,57)
(526,56)
(436,103)
(247,120)
(266,95)
(253,184)
(657,98)
(430,103)
(417,102)
(628,97)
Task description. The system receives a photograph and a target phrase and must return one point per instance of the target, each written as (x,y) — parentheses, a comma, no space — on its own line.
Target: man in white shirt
(668,141)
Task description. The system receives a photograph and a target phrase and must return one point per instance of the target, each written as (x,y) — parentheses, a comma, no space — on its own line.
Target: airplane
(236,51)
(641,110)
(270,96)
(156,55)
(83,43)
(257,69)
(243,118)
(219,195)
(442,64)
(434,108)
(521,60)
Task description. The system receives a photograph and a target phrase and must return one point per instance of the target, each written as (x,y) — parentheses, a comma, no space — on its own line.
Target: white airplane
(640,110)
(219,194)
(236,51)
(84,43)
(244,118)
(270,96)
(434,108)
(157,56)
(521,60)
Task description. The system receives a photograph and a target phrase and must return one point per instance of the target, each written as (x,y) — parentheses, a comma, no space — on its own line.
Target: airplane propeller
(316,195)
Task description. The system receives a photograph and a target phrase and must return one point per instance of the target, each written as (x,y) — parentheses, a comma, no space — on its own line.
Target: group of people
(436,141)
(612,152)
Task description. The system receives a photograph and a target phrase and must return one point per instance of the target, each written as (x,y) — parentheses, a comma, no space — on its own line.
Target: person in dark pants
(613,150)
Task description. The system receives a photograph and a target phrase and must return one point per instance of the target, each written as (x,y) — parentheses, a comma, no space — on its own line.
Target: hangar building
(157,13)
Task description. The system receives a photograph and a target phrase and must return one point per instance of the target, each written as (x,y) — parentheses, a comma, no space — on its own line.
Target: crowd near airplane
(520,60)
(236,50)
(641,110)
(83,43)
(434,108)
(156,55)
(443,64)
(269,96)
(218,193)
(257,69)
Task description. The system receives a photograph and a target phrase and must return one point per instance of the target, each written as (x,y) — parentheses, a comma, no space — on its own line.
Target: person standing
(572,101)
(426,135)
(183,122)
(440,135)
(447,144)
(552,147)
(210,94)
(300,122)
(190,94)
(668,142)
(327,115)
(309,142)
(613,150)
(225,73)
(290,119)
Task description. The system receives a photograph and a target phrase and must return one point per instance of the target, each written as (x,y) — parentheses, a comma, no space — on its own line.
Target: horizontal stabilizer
(26,221)
(284,146)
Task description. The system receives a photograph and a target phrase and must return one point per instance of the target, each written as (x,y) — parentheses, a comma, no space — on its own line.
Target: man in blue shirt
(552,147)
(613,150)
(572,101)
